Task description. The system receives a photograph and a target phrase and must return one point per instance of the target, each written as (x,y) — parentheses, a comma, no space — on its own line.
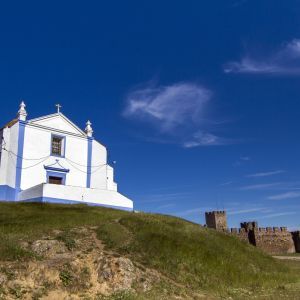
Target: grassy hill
(99,253)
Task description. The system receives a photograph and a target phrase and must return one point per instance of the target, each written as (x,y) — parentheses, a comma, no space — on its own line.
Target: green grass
(194,257)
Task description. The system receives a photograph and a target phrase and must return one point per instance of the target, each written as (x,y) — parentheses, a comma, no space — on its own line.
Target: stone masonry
(272,240)
(216,220)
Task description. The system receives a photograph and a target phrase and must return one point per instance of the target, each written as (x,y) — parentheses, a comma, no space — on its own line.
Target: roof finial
(22,113)
(58,106)
(88,129)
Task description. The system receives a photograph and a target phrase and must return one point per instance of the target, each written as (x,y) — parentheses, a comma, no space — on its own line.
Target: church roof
(10,123)
(57,121)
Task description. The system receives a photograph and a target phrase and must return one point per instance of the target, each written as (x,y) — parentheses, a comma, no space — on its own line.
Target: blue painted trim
(61,201)
(57,174)
(89,162)
(19,163)
(63,137)
(56,169)
(7,193)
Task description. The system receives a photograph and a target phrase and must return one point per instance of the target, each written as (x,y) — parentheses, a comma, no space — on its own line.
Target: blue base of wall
(60,201)
(7,193)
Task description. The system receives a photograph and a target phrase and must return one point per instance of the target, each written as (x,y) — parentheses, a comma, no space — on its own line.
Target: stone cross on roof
(58,106)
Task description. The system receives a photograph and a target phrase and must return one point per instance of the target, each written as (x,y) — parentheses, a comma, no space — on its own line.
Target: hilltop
(80,252)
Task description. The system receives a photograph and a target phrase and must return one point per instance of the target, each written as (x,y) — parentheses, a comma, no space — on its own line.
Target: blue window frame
(56,175)
(58,145)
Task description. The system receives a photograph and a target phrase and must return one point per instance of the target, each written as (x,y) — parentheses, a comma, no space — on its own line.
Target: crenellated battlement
(215,212)
(271,229)
(259,229)
(216,220)
(273,240)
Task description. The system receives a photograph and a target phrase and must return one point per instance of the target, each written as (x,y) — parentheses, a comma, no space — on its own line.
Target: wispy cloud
(273,186)
(177,112)
(245,211)
(193,211)
(263,186)
(226,183)
(201,138)
(283,61)
(242,160)
(278,215)
(163,197)
(166,206)
(289,195)
(265,174)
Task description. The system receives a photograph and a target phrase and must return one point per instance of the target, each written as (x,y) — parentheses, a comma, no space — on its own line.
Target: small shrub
(2,293)
(10,274)
(39,293)
(68,239)
(66,277)
(17,291)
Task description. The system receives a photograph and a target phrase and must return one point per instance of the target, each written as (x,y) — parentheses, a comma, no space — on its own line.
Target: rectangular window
(55,180)
(57,147)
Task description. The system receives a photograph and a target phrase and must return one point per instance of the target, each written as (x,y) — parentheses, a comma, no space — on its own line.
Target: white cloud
(289,195)
(226,183)
(163,197)
(263,186)
(178,112)
(245,158)
(201,138)
(244,211)
(278,215)
(166,206)
(284,61)
(170,106)
(241,161)
(265,174)
(190,212)
(274,186)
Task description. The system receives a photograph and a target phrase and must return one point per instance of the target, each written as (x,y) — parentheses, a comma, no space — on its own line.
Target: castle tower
(249,225)
(216,220)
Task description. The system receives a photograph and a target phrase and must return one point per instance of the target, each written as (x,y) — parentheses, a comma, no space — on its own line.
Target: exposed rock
(3,279)
(48,248)
(119,273)
(61,273)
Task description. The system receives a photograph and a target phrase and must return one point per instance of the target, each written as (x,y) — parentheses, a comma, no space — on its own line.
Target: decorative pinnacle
(88,129)
(22,113)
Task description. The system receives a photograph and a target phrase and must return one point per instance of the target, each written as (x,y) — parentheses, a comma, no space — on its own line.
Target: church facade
(50,159)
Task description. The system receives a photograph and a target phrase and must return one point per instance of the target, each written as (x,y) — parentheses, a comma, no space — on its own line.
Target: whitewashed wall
(81,195)
(99,172)
(111,185)
(3,163)
(11,139)
(103,197)
(37,144)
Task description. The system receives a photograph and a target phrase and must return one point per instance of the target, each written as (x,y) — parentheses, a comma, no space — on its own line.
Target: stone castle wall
(276,240)
(272,240)
(296,239)
(241,233)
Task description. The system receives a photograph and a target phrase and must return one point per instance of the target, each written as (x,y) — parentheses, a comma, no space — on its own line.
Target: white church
(50,159)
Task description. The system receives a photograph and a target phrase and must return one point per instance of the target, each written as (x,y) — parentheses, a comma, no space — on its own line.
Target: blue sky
(197,101)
